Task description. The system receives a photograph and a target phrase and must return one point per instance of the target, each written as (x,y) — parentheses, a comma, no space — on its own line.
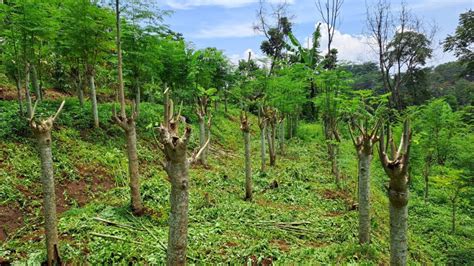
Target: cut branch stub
(244,122)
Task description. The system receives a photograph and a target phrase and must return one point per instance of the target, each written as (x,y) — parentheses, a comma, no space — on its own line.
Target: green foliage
(461,41)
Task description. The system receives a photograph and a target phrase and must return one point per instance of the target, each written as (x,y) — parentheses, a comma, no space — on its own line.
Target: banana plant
(309,56)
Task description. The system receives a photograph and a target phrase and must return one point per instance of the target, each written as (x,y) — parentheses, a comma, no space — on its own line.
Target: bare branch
(197,155)
(59,110)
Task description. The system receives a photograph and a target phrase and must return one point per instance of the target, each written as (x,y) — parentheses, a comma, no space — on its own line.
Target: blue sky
(227,24)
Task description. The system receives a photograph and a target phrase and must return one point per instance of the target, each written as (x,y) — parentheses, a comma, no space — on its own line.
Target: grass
(223,227)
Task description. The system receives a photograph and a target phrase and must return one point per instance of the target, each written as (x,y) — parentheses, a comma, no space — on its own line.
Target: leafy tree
(333,85)
(88,35)
(461,42)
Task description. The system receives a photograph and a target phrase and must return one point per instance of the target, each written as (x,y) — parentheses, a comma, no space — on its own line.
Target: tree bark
(179,198)
(29,107)
(176,166)
(364,197)
(398,234)
(42,132)
(49,196)
(128,125)
(136,200)
(36,85)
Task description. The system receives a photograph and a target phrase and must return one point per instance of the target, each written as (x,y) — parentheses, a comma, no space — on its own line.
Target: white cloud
(186,4)
(354,48)
(260,58)
(237,30)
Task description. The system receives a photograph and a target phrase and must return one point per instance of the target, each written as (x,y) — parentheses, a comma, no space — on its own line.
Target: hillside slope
(304,218)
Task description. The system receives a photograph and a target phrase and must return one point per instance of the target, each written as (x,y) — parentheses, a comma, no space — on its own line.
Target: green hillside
(297,216)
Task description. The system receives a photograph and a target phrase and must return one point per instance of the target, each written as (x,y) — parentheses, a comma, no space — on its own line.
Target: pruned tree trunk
(95,112)
(166,102)
(176,166)
(364,144)
(27,91)
(397,170)
(42,131)
(36,85)
(245,127)
(131,135)
(127,123)
(262,149)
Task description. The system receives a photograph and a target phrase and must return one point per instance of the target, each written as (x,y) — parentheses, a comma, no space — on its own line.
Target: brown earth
(94,181)
(11,94)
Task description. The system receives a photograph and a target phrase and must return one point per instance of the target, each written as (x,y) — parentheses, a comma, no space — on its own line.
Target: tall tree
(402,44)
(461,42)
(127,123)
(88,32)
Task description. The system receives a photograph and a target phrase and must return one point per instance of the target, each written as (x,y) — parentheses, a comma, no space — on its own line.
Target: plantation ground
(305,219)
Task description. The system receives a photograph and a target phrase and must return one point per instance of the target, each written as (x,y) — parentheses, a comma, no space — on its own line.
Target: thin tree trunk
(20,100)
(398,234)
(271,144)
(29,107)
(36,86)
(281,137)
(95,112)
(138,99)
(332,149)
(262,149)
(364,197)
(136,200)
(248,167)
(166,106)
(202,139)
(80,91)
(179,198)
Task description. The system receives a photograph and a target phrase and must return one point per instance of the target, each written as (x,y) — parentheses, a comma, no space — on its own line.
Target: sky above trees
(227,24)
